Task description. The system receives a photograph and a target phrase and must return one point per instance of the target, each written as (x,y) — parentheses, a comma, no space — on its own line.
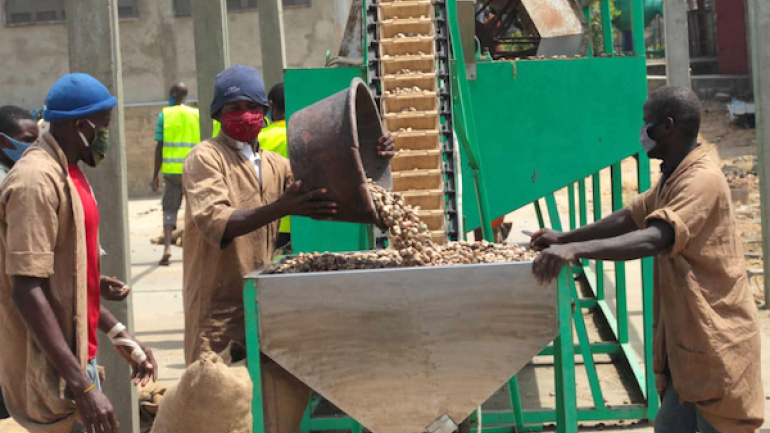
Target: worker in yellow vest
(177,131)
(273,138)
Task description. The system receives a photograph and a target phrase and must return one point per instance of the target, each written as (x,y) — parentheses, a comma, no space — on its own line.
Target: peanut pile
(410,245)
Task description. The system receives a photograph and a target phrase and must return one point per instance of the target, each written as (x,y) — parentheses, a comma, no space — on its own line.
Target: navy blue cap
(238,83)
(76,96)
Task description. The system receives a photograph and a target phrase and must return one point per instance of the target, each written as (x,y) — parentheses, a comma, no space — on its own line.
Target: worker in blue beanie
(49,222)
(236,195)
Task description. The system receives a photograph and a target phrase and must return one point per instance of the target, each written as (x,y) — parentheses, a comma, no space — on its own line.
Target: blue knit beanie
(238,83)
(76,96)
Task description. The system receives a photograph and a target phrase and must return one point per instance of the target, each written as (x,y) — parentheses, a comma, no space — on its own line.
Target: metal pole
(212,53)
(272,40)
(94,40)
(677,42)
(759,27)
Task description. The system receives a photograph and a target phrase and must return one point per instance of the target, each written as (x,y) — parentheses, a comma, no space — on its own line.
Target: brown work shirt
(218,180)
(706,333)
(42,234)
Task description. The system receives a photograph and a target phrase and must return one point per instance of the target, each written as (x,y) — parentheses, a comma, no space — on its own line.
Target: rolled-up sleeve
(641,206)
(208,198)
(30,205)
(693,202)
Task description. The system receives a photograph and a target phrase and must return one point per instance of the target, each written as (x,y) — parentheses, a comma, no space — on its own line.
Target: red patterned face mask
(243,125)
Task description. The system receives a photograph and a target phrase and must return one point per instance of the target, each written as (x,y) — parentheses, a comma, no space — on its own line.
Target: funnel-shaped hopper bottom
(398,348)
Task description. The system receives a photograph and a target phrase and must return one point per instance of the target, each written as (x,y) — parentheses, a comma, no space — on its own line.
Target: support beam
(212,53)
(272,41)
(94,40)
(759,26)
(677,43)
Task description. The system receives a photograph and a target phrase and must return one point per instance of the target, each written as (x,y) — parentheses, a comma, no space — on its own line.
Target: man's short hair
(277,97)
(680,104)
(10,116)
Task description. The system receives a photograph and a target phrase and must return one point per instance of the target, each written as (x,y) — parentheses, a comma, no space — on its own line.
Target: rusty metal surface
(554,18)
(397,349)
(352,40)
(333,145)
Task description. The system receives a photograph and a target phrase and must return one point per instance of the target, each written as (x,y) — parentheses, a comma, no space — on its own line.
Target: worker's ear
(668,125)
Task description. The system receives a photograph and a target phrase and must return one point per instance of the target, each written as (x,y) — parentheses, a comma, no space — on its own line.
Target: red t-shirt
(91,214)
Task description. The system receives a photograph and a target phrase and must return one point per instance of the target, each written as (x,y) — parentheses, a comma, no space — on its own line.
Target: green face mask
(100,143)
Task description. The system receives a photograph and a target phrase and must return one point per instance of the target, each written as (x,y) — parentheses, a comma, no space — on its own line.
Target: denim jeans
(677,417)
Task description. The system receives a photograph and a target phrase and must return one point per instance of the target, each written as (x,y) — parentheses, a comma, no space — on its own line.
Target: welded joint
(442,424)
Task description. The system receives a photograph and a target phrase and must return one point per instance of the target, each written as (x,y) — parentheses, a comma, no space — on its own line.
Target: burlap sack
(212,396)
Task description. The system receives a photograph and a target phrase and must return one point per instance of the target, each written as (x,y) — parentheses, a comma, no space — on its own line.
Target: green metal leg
(564,361)
(621,299)
(596,180)
(585,351)
(515,398)
(583,208)
(251,311)
(643,173)
(539,213)
(564,354)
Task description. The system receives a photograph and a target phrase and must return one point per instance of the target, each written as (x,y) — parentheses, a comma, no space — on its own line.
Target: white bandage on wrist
(117,329)
(137,354)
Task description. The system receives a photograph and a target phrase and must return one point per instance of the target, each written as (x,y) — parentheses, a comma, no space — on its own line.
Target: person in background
(706,346)
(50,286)
(273,138)
(18,130)
(176,132)
(236,194)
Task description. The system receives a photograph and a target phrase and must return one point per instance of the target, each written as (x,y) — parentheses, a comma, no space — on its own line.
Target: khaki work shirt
(42,234)
(706,332)
(218,180)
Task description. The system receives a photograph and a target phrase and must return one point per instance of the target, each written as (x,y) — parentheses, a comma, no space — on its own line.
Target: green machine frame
(526,130)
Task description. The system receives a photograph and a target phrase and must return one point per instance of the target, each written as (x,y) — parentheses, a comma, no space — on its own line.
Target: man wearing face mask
(706,347)
(236,194)
(50,285)
(18,130)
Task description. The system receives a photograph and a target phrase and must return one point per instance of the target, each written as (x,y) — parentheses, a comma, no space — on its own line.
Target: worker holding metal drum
(236,195)
(706,345)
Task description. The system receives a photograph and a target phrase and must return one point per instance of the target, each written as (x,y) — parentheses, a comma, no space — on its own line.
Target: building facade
(157,50)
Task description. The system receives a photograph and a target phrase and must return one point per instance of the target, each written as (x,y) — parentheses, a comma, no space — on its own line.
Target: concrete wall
(157,50)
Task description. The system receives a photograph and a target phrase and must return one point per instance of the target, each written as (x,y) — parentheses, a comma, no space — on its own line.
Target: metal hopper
(406,350)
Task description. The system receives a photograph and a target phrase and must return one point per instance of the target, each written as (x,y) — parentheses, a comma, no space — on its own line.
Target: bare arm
(615,224)
(158,159)
(292,202)
(657,238)
(245,221)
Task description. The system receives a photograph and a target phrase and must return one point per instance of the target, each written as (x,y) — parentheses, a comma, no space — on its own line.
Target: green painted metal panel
(305,87)
(542,125)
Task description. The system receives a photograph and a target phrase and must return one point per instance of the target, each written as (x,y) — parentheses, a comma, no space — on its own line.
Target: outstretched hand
(314,204)
(550,262)
(544,238)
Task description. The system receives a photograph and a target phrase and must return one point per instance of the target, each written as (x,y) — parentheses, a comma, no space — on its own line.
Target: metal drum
(333,145)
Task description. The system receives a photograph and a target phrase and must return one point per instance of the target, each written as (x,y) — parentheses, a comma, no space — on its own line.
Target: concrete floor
(158,318)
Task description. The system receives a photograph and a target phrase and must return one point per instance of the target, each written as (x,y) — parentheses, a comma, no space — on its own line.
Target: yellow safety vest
(181,131)
(273,138)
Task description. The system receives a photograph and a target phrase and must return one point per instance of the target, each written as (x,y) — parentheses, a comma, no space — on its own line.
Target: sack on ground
(213,396)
